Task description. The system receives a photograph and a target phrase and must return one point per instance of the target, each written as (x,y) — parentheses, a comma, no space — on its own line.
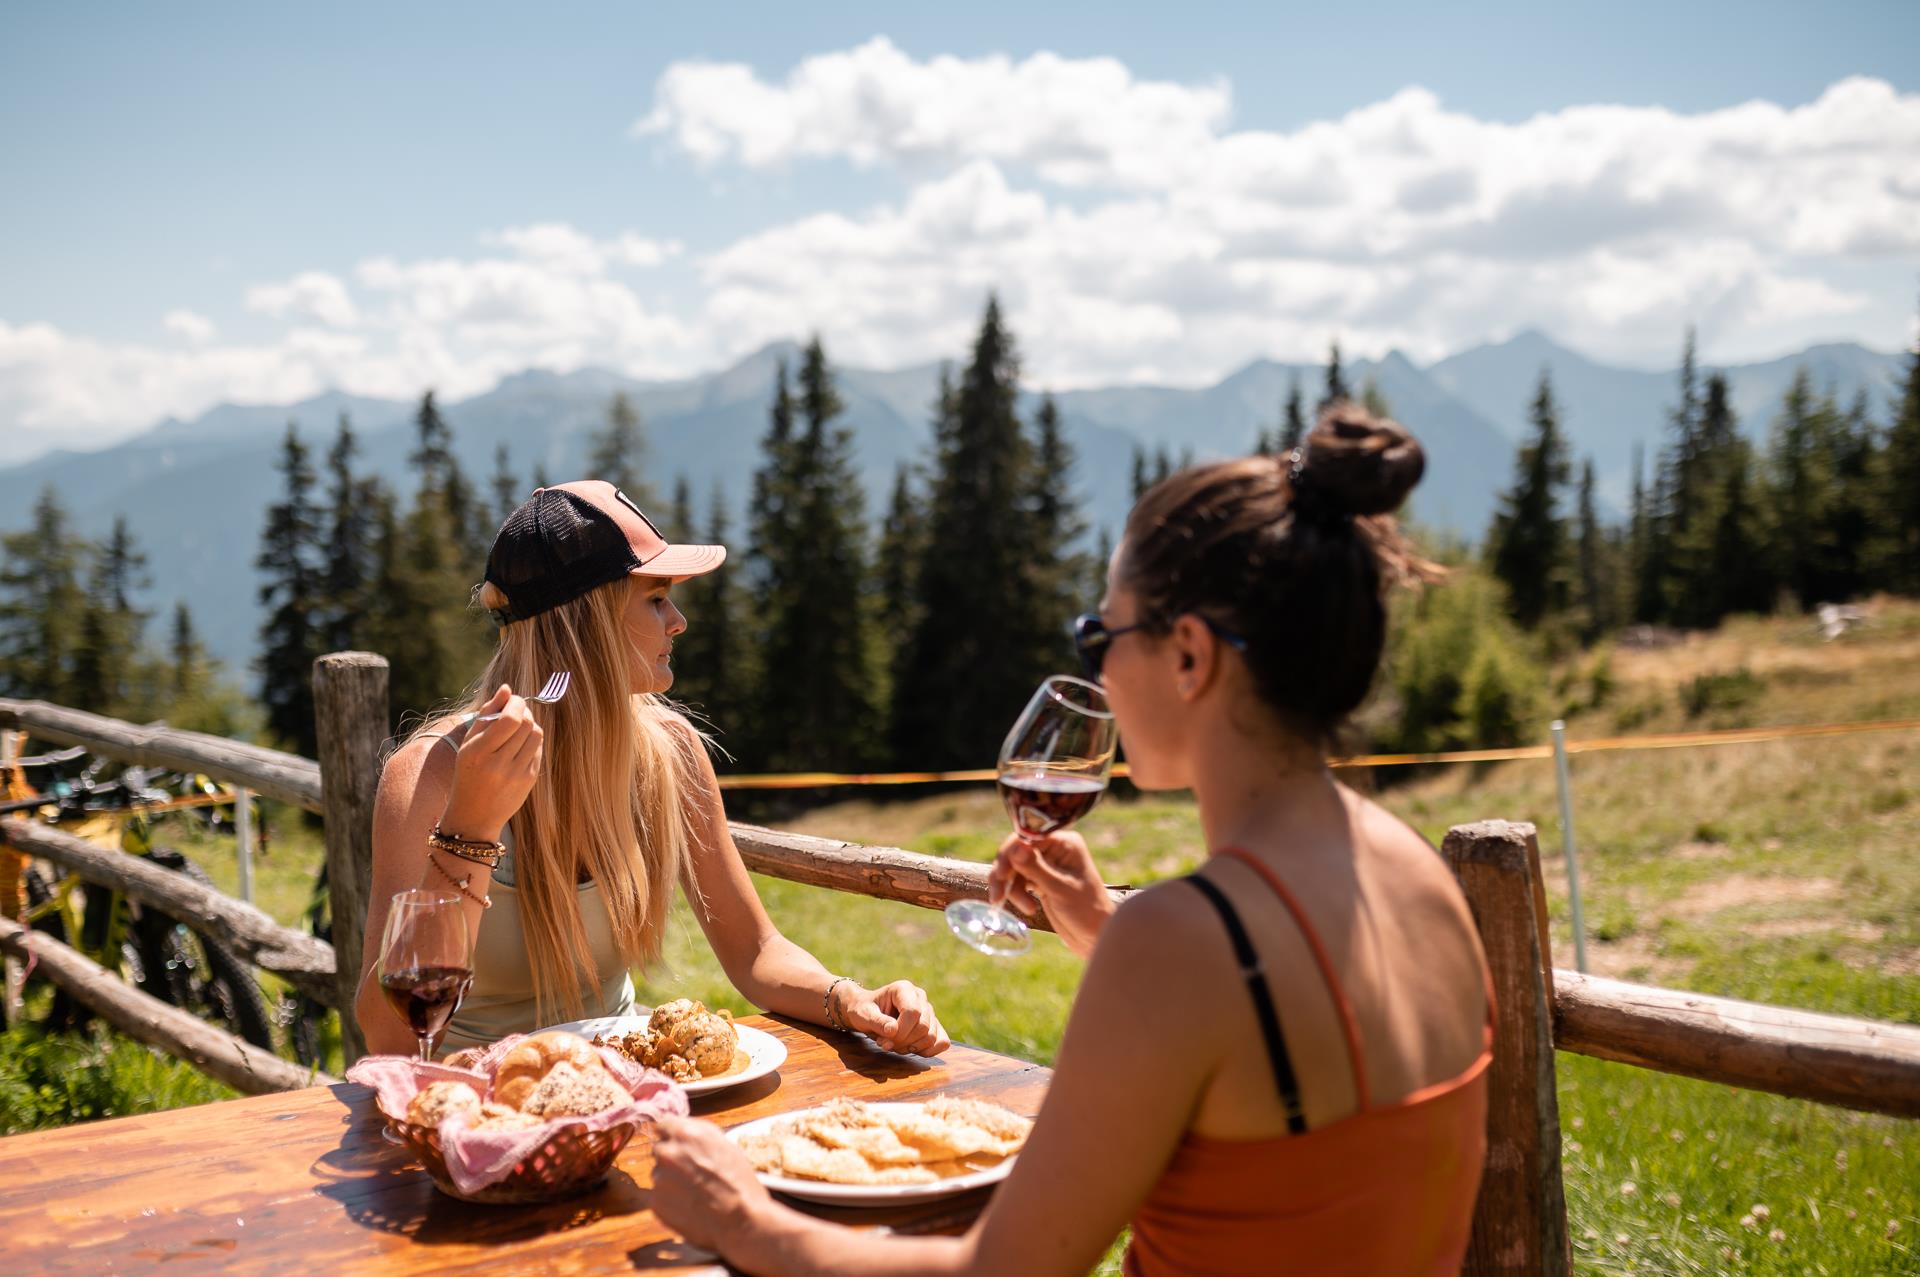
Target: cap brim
(678,562)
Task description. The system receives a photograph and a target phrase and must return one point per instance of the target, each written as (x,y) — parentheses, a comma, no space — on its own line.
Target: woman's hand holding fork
(497,763)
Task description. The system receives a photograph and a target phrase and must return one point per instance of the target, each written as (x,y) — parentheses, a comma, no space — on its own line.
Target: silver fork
(550,691)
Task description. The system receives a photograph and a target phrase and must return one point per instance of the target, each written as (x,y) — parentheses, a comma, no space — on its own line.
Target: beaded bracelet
(478,850)
(833,1019)
(461,885)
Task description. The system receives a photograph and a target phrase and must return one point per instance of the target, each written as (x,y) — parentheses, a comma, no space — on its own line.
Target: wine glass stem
(426,1049)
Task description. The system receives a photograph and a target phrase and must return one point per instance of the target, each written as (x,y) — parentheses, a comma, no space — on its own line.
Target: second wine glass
(426,961)
(1053,768)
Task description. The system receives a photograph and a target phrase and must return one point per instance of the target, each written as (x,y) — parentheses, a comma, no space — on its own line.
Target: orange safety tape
(1604,744)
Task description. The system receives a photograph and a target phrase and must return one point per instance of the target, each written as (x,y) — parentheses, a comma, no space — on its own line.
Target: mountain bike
(152,951)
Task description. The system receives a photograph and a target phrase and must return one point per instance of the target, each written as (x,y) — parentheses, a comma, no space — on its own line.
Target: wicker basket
(574,1160)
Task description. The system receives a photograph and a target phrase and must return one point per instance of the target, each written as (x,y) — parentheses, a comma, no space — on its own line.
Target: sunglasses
(1092,638)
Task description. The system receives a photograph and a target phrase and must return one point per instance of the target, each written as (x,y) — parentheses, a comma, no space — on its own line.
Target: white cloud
(309,295)
(1080,120)
(1131,231)
(195,328)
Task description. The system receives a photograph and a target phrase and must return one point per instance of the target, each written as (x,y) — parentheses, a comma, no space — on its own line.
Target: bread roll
(530,1060)
(570,1092)
(438,1101)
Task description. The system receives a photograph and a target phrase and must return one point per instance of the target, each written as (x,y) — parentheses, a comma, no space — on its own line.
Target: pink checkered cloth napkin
(478,1157)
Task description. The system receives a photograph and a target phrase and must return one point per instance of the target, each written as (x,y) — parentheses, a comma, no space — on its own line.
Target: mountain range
(195,492)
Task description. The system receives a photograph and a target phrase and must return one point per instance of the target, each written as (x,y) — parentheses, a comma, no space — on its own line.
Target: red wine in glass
(1041,801)
(426,997)
(425,961)
(1053,769)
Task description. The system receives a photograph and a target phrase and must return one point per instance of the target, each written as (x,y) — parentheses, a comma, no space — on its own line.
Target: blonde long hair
(602,742)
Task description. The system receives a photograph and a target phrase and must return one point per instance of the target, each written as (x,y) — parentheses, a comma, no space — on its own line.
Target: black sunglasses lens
(1090,639)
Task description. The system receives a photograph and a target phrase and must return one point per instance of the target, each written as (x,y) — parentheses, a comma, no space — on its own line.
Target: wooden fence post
(1520,1220)
(350,714)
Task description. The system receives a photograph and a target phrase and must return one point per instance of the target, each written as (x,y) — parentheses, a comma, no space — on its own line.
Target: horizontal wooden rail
(1853,1063)
(215,1052)
(1857,1064)
(306,961)
(288,778)
(883,873)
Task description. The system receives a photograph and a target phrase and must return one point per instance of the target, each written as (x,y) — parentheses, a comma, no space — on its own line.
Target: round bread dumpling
(707,1040)
(668,1015)
(532,1058)
(438,1101)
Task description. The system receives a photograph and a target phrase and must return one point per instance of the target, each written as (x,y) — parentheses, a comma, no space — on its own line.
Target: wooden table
(302,1183)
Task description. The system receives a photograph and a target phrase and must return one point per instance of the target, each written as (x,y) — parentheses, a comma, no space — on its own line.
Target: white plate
(765,1052)
(814,1190)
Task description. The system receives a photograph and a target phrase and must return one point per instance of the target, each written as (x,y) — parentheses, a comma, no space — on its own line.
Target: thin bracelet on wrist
(461,885)
(826,1002)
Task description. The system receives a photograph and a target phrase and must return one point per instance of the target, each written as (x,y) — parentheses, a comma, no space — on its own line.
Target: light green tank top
(500,1000)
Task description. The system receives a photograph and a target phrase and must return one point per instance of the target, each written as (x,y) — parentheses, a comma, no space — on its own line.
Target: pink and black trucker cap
(574,537)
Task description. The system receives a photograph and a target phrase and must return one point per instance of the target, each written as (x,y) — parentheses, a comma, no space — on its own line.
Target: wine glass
(1053,769)
(425,961)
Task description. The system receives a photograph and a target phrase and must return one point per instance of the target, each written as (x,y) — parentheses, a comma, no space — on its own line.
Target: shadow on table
(859,1054)
(384,1187)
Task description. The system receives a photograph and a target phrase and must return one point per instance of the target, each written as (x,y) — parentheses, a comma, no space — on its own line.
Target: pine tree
(1899,486)
(969,664)
(1058,568)
(290,591)
(898,555)
(1739,571)
(710,663)
(392,625)
(820,697)
(42,603)
(111,628)
(1294,423)
(1142,477)
(1336,389)
(1595,597)
(189,656)
(619,452)
(680,514)
(1095,587)
(505,485)
(349,544)
(1801,482)
(1527,545)
(434,644)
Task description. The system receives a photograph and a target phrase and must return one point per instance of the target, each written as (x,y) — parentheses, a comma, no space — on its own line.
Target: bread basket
(560,1158)
(571,1161)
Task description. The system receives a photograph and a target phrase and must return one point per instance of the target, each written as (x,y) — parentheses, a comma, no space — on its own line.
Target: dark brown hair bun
(1353,462)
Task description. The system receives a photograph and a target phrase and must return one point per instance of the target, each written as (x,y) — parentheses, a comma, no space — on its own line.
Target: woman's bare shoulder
(423,762)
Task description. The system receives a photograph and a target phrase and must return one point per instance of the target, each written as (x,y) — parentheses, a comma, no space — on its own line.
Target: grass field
(1784,872)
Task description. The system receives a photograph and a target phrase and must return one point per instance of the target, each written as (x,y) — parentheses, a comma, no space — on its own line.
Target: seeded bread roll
(438,1101)
(570,1092)
(530,1060)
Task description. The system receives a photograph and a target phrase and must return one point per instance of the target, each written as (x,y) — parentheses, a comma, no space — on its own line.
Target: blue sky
(175,160)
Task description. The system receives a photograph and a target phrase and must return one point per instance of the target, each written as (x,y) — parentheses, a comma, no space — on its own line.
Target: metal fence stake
(1573,856)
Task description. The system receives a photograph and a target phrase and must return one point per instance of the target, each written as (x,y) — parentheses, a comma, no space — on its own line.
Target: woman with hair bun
(567,827)
(1279,1062)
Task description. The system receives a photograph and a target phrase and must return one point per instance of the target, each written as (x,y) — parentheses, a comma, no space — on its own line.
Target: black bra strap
(1243,952)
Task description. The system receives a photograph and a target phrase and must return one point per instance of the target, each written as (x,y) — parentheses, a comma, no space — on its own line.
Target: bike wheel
(198,973)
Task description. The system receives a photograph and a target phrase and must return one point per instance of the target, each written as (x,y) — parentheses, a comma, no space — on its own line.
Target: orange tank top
(1387,1190)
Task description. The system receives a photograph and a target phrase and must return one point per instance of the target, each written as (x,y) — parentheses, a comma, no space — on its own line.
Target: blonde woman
(565,828)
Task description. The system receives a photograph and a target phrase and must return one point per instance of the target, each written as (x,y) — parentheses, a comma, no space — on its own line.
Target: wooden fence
(1520,1222)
